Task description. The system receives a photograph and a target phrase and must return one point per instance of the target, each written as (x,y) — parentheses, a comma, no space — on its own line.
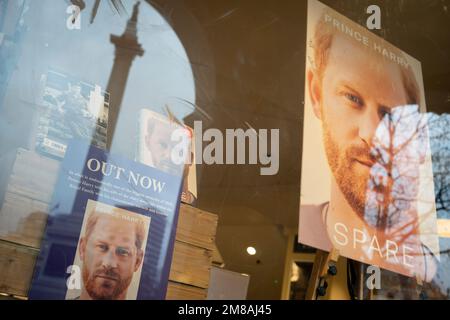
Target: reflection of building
(127,48)
(95,106)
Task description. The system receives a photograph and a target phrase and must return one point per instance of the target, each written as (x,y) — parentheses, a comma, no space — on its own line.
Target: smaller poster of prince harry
(109,255)
(367,182)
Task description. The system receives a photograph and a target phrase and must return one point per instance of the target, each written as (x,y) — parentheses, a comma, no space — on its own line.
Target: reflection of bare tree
(116,4)
(405,142)
(411,152)
(439,131)
(394,195)
(439,128)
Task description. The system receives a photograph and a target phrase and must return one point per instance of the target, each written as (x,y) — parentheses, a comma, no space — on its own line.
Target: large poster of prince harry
(367,182)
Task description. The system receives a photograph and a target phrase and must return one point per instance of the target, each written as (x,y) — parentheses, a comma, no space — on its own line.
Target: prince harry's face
(356,89)
(110,258)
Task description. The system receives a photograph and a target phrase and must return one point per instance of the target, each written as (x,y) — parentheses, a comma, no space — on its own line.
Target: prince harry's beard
(350,166)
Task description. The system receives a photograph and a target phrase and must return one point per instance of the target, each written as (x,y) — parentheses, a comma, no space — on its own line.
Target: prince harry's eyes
(355,100)
(120,251)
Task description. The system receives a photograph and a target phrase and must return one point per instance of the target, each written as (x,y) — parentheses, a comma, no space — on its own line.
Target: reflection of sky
(163,72)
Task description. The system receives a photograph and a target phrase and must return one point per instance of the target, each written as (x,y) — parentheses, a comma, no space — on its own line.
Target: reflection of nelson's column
(127,48)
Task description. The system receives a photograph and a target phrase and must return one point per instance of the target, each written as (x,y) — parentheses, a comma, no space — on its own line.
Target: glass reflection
(69,76)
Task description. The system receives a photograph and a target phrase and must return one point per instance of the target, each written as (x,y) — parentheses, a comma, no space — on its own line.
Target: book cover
(110,231)
(70,108)
(367,181)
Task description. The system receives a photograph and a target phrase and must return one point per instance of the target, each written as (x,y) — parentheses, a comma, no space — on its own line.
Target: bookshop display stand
(324,267)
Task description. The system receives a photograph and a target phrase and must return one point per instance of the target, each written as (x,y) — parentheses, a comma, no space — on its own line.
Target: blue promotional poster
(110,232)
